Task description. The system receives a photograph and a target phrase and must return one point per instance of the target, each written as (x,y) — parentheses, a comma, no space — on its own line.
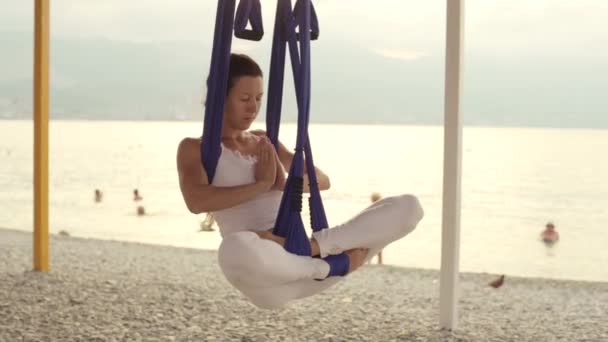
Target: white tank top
(257,214)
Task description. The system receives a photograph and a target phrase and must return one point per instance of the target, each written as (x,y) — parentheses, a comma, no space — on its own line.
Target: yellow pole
(41,136)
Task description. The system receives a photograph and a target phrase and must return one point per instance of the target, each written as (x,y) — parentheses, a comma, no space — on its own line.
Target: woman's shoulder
(190,142)
(189,146)
(258,132)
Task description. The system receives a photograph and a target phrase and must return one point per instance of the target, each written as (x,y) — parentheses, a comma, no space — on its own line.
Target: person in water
(136,196)
(549,235)
(98,196)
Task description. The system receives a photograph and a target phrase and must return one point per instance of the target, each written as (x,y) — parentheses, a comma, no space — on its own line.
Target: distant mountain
(104,79)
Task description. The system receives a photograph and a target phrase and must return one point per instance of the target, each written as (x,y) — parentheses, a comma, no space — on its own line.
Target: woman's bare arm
(202,197)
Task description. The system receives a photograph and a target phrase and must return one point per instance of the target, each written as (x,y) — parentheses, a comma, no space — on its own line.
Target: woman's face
(243,102)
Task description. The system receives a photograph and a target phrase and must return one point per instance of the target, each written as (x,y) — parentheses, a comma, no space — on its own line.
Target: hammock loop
(314,21)
(249,11)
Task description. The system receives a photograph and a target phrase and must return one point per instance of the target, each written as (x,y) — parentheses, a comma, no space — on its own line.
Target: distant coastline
(326,122)
(105,79)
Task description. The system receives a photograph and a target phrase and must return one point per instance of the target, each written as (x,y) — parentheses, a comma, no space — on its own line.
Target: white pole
(452,164)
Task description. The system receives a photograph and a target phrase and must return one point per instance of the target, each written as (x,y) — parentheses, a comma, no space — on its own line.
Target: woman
(245,196)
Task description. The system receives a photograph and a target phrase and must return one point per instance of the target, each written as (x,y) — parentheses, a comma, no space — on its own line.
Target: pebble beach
(116,291)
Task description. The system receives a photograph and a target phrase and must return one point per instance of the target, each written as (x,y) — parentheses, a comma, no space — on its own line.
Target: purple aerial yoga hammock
(303,18)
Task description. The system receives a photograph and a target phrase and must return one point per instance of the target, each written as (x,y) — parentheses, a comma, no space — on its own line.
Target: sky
(404,29)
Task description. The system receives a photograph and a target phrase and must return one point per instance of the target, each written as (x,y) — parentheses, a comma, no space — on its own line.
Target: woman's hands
(266,168)
(269,169)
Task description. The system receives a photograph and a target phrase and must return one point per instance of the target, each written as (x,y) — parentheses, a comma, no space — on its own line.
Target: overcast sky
(406,29)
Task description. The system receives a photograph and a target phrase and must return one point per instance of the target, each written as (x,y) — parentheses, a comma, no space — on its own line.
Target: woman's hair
(241,65)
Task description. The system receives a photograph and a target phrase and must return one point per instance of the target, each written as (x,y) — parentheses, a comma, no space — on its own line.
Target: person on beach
(136,196)
(140,210)
(207,223)
(245,196)
(98,196)
(375,197)
(549,235)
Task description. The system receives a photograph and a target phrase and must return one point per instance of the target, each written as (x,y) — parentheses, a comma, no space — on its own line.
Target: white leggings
(270,276)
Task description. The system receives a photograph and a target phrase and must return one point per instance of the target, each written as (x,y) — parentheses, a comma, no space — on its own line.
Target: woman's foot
(315,250)
(267,235)
(356,258)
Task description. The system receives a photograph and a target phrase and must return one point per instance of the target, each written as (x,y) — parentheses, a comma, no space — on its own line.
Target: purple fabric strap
(216,86)
(289,26)
(249,11)
(289,221)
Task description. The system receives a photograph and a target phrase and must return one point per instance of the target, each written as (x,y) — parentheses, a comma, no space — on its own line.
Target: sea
(514,181)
